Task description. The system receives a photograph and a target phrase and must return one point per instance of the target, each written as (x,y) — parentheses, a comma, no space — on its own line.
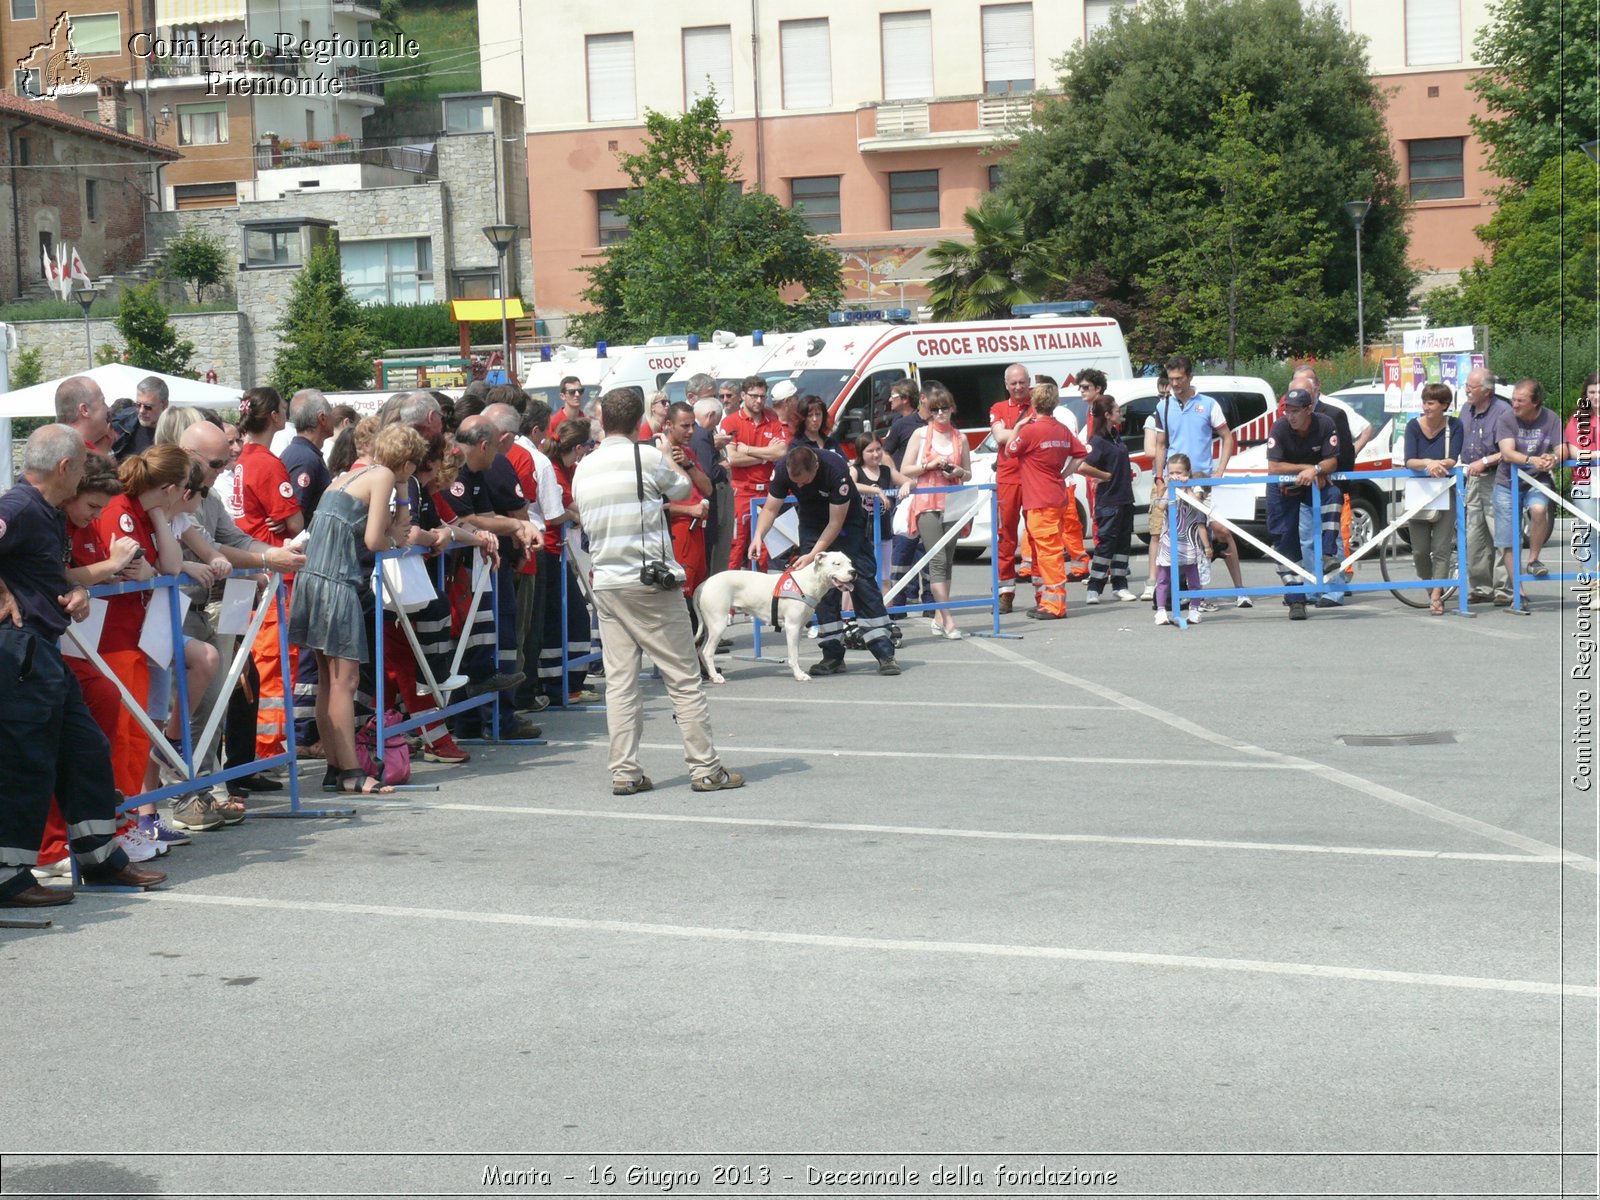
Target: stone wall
(222,343)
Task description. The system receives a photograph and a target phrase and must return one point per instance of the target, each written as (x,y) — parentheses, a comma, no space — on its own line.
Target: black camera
(658,575)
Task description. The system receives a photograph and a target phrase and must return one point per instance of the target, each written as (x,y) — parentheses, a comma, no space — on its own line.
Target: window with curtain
(1437,168)
(395,271)
(24,10)
(913,200)
(612,95)
(100,33)
(708,65)
(817,199)
(807,64)
(1433,32)
(907,41)
(202,124)
(613,226)
(1007,48)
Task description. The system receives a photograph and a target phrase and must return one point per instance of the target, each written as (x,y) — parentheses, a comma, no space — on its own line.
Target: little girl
(1194,541)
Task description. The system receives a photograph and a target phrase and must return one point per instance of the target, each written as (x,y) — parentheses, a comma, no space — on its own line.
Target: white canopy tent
(115,380)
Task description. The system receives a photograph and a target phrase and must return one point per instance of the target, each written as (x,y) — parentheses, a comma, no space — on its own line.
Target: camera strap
(638,478)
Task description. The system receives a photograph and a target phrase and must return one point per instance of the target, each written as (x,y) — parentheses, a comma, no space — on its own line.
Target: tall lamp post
(86,296)
(1358,214)
(501,237)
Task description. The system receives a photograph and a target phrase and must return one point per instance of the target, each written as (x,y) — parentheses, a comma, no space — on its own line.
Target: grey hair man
(312,418)
(136,432)
(82,405)
(1486,421)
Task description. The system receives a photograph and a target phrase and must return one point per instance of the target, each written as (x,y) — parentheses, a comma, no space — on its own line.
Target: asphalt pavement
(1094,897)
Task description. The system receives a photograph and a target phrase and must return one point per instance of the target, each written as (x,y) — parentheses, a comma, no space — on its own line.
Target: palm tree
(999,268)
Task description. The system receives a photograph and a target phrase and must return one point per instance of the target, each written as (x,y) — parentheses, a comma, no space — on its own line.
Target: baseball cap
(782,390)
(1298,398)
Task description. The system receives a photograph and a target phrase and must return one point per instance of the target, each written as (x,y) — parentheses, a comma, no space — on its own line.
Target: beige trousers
(635,621)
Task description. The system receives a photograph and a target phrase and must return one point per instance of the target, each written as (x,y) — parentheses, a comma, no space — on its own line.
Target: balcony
(362,86)
(192,70)
(417,160)
(942,124)
(357,9)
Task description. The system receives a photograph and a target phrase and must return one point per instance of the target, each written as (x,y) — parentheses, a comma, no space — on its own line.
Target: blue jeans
(1310,554)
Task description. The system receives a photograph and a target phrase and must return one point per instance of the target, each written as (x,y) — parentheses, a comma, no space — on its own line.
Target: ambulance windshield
(815,382)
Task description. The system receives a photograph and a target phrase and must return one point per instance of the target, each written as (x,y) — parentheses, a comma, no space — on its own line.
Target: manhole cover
(1442,737)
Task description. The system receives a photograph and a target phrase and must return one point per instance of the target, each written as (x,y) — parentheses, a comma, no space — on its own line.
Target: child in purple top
(1194,540)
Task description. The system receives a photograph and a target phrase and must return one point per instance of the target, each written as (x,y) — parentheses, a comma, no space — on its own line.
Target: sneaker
(1502,599)
(196,812)
(518,731)
(585,696)
(157,829)
(1125,594)
(828,666)
(231,808)
(1327,602)
(60,869)
(888,666)
(1204,606)
(1244,602)
(1163,617)
(534,704)
(1297,610)
(1195,611)
(498,682)
(1537,569)
(631,787)
(722,781)
(811,632)
(137,847)
(935,628)
(443,749)
(1092,598)
(1480,595)
(1149,592)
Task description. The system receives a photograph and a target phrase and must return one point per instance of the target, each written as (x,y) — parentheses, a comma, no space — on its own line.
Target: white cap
(782,390)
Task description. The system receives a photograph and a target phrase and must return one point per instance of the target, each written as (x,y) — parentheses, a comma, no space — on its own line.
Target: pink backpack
(396,750)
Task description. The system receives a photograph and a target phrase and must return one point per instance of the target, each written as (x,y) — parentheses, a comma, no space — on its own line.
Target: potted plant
(341,147)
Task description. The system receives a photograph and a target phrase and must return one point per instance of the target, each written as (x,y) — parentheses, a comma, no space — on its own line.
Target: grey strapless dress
(326,610)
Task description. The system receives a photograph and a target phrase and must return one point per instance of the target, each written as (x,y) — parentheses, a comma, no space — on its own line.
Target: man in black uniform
(49,744)
(1301,443)
(831,518)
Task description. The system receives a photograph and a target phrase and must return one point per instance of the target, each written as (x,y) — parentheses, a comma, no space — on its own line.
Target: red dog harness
(787,589)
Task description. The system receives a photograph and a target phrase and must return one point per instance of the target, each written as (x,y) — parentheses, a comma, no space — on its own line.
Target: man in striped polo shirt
(621,489)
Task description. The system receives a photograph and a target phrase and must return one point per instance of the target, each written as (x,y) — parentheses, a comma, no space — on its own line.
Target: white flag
(63,272)
(79,271)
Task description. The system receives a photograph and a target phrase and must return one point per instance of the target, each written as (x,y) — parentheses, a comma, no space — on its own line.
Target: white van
(729,358)
(543,378)
(646,367)
(852,366)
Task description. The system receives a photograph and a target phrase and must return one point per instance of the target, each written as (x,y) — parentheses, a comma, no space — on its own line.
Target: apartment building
(884,124)
(219,81)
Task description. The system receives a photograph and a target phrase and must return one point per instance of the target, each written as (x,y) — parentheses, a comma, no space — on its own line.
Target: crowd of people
(660,495)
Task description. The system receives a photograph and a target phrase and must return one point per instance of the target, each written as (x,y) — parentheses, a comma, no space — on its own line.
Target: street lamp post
(1358,214)
(86,296)
(501,237)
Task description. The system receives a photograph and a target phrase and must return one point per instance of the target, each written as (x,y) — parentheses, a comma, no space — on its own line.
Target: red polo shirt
(1010,412)
(760,432)
(1040,450)
(263,499)
(124,516)
(522,463)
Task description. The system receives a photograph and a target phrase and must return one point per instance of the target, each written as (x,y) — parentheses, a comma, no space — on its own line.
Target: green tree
(1247,276)
(1104,172)
(1540,86)
(1000,267)
(324,339)
(1541,269)
(27,368)
(195,258)
(702,253)
(152,344)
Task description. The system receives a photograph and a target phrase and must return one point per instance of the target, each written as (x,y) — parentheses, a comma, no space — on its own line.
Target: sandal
(1437,608)
(232,808)
(331,778)
(365,785)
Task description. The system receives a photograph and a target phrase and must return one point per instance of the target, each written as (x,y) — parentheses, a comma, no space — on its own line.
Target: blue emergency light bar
(870,316)
(600,349)
(1061,308)
(669,339)
(544,353)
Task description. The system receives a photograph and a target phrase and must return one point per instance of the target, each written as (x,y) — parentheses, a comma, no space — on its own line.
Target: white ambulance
(852,365)
(727,358)
(589,364)
(648,367)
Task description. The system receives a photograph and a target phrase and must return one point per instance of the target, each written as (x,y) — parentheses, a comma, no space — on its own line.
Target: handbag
(406,586)
(396,750)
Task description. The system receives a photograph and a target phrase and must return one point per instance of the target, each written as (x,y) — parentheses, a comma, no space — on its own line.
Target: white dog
(790,597)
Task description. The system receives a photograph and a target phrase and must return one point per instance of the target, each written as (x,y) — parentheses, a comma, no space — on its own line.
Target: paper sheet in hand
(1438,489)
(238,597)
(1235,502)
(88,629)
(785,532)
(155,639)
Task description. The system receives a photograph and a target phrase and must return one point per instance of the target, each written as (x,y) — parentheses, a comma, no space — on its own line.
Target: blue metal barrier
(1518,575)
(1316,581)
(574,660)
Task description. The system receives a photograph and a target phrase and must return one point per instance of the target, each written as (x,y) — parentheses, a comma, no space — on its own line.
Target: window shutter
(1096,16)
(707,64)
(1007,42)
(611,87)
(1433,32)
(907,56)
(807,67)
(1341,9)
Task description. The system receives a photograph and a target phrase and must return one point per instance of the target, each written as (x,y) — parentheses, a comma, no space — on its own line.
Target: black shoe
(1324,602)
(519,731)
(828,666)
(258,783)
(495,683)
(1297,610)
(1039,614)
(888,666)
